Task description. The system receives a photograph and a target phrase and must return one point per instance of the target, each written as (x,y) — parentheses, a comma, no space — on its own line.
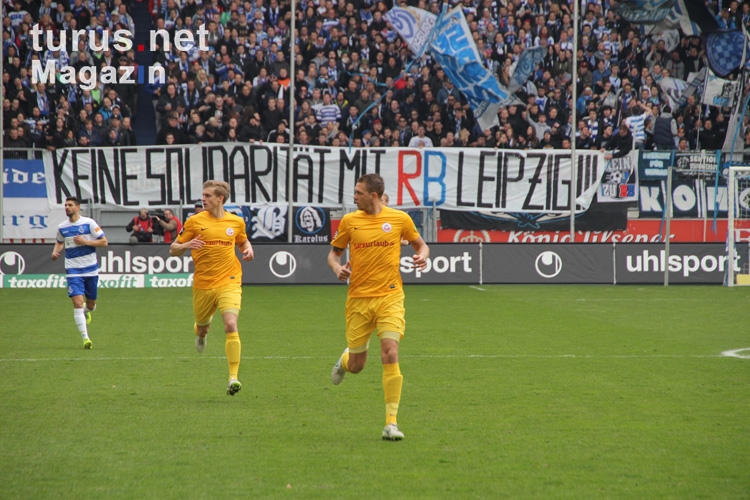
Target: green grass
(509,392)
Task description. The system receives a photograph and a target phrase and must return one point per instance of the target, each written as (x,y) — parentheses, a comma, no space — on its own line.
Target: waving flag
(673,89)
(530,57)
(644,11)
(414,25)
(724,50)
(454,48)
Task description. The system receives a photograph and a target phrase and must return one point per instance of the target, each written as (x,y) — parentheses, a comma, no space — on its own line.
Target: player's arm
(342,272)
(58,248)
(99,242)
(185,240)
(176,249)
(247,250)
(422,251)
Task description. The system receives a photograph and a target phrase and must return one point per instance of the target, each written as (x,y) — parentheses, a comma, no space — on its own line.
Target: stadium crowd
(351,78)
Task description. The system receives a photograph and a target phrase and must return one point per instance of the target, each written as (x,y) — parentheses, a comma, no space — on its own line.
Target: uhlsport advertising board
(151,266)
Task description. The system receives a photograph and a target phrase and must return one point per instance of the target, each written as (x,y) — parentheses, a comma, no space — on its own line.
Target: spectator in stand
(170,223)
(665,130)
(141,228)
(620,144)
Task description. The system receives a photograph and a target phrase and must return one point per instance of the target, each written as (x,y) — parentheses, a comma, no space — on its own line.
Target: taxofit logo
(88,76)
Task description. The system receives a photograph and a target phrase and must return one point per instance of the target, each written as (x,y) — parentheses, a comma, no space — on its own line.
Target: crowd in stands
(356,82)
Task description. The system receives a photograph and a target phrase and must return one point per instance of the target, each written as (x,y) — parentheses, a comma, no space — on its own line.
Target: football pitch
(509,392)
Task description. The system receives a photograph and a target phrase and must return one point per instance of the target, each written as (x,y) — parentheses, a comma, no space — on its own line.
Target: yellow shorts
(365,314)
(227,298)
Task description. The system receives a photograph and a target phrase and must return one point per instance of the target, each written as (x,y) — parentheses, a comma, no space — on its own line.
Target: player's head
(368,192)
(72,205)
(373,184)
(215,190)
(385,199)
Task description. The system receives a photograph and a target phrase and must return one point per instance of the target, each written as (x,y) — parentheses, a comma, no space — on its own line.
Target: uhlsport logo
(548,264)
(12,263)
(282,264)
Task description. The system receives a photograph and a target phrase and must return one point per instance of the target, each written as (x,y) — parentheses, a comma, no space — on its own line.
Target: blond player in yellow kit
(217,283)
(375,299)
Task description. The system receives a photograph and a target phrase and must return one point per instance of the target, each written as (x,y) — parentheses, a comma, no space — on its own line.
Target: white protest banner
(534,181)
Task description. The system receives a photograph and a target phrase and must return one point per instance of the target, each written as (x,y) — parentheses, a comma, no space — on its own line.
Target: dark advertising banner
(448,264)
(288,264)
(559,263)
(693,263)
(599,217)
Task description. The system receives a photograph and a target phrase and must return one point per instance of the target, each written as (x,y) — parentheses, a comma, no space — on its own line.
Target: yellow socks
(392,381)
(345,361)
(233,348)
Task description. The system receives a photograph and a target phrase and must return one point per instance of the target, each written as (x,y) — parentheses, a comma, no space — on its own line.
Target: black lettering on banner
(150,174)
(58,165)
(178,153)
(563,204)
(257,175)
(300,162)
(188,179)
(506,178)
(243,174)
(482,178)
(309,177)
(348,164)
(105,180)
(366,161)
(209,170)
(77,177)
(460,182)
(535,179)
(126,178)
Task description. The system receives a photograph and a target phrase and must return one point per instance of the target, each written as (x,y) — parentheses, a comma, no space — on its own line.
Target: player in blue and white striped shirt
(80,236)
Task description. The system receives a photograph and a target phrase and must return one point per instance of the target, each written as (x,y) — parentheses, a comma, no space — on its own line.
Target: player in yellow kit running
(217,283)
(375,299)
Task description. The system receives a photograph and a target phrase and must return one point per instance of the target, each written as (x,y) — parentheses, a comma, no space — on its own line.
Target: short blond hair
(220,188)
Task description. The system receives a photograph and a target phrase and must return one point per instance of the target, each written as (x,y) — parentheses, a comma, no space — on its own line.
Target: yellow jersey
(375,250)
(216,263)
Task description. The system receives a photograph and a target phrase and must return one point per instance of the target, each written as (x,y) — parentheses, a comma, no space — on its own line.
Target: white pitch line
(417,356)
(736,353)
(478,288)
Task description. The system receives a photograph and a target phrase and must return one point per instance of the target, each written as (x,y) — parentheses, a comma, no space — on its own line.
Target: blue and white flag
(454,49)
(719,92)
(695,86)
(530,58)
(644,11)
(673,89)
(725,50)
(413,24)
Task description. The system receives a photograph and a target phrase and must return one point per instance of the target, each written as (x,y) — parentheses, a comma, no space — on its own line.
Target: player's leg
(230,304)
(91,293)
(359,328)
(204,307)
(76,289)
(391,325)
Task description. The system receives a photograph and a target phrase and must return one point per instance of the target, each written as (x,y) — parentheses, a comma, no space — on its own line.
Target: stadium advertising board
(451,178)
(693,263)
(691,197)
(535,263)
(447,264)
(150,266)
(638,231)
(26,214)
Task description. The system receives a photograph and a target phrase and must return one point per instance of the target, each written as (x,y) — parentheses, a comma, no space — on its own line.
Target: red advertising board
(638,231)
